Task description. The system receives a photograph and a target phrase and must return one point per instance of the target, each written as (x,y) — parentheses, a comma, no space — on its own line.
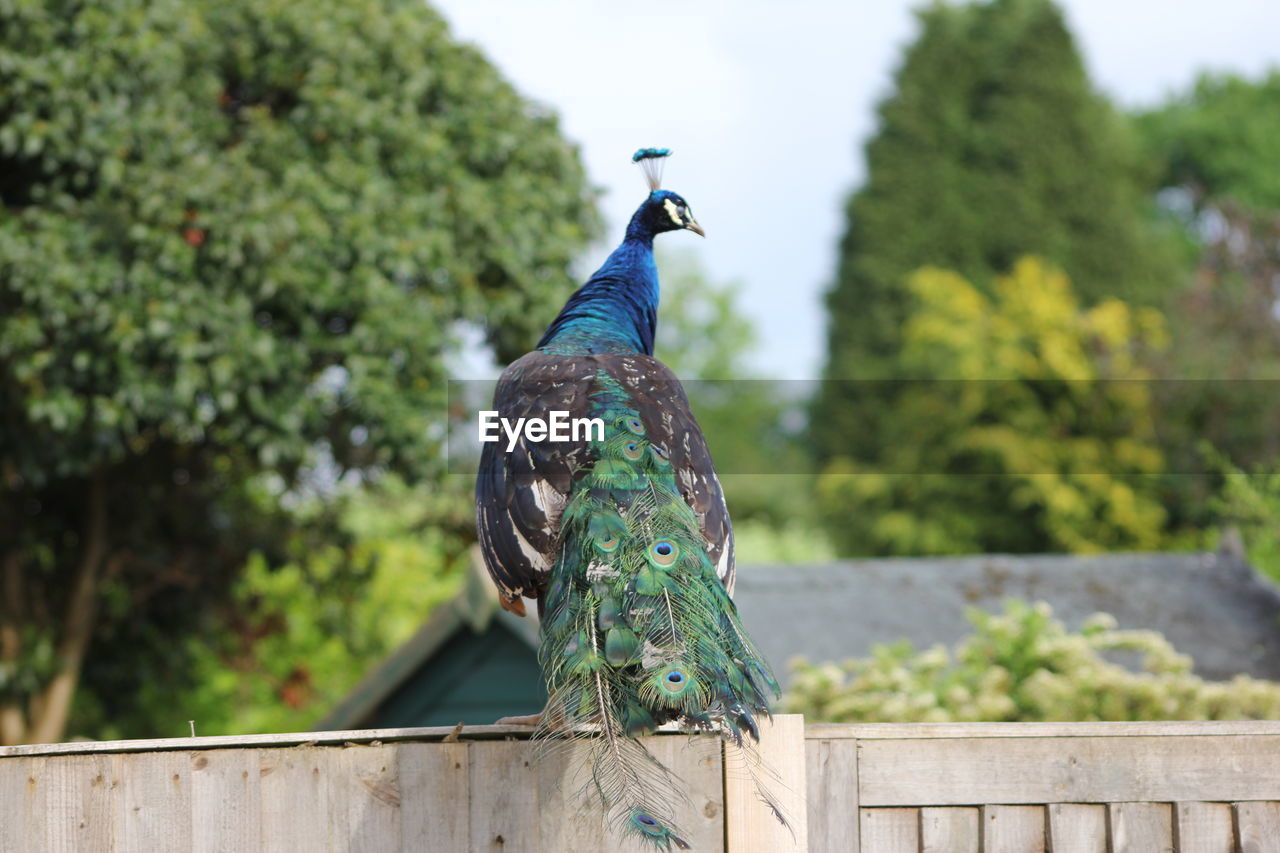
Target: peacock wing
(520,494)
(664,407)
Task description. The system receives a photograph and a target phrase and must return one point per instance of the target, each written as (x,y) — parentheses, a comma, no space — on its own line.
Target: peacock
(622,537)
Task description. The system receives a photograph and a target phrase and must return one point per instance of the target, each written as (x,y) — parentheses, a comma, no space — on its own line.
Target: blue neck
(617,309)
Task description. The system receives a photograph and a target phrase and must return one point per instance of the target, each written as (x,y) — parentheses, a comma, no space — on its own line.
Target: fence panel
(888,788)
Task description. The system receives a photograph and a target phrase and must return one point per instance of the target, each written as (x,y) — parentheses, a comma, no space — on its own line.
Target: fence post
(750,826)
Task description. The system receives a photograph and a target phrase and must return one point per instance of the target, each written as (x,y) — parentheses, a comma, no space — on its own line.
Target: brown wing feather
(520,495)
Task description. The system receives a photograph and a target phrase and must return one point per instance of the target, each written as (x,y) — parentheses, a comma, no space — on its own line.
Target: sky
(767,105)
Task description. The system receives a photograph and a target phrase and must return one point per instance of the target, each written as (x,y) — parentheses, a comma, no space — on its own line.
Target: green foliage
(308,631)
(293,639)
(1250,501)
(1217,147)
(1029,429)
(1023,665)
(1221,139)
(992,146)
(702,332)
(236,240)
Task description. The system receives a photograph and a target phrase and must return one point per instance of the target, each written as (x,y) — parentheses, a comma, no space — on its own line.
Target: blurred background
(993,278)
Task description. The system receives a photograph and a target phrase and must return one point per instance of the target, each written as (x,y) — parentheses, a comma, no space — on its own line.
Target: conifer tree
(992,146)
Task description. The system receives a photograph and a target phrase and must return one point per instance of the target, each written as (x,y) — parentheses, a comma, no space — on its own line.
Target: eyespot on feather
(633,450)
(606,529)
(654,831)
(663,553)
(673,686)
(632,424)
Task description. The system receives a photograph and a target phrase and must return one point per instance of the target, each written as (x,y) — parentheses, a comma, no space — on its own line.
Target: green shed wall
(473,678)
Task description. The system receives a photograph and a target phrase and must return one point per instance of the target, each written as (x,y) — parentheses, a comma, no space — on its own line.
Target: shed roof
(1212,606)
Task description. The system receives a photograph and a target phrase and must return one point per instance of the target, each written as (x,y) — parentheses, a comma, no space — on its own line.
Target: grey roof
(1213,607)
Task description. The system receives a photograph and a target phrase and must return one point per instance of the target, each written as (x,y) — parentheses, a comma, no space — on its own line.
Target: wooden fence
(882,788)
(1035,787)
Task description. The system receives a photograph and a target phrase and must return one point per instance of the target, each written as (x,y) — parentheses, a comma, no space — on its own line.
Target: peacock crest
(652,161)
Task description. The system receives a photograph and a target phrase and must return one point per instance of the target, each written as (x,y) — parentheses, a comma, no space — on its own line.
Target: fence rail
(1185,787)
(876,788)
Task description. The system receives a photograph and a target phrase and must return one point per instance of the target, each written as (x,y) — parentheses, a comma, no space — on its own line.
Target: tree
(292,639)
(1023,665)
(1249,503)
(1220,140)
(1025,425)
(1217,147)
(236,240)
(993,146)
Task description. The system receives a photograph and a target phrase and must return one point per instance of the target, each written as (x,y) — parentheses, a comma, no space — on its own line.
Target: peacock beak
(695,228)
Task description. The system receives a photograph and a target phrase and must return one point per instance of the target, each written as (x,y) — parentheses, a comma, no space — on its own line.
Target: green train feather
(637,627)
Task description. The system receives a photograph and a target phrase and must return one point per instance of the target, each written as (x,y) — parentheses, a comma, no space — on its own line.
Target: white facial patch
(673,210)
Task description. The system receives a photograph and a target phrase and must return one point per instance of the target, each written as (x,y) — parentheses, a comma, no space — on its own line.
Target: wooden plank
(1141,827)
(503,789)
(1172,728)
(570,815)
(434,802)
(37,805)
(80,810)
(949,830)
(335,738)
(155,802)
(1203,828)
(831,781)
(17,796)
(699,763)
(226,807)
(1013,829)
(972,771)
(889,830)
(364,799)
(749,824)
(572,819)
(1076,828)
(1258,826)
(293,787)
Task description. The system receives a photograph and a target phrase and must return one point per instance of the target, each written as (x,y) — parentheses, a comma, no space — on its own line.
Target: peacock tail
(637,628)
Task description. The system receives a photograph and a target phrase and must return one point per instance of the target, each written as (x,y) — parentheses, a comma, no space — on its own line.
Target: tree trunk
(13,723)
(51,708)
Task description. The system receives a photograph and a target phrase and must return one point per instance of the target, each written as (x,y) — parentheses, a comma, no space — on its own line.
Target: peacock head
(664,210)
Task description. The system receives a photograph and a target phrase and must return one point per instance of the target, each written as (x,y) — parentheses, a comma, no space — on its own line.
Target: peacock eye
(663,553)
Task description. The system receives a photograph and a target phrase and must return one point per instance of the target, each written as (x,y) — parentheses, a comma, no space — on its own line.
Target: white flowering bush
(1024,665)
